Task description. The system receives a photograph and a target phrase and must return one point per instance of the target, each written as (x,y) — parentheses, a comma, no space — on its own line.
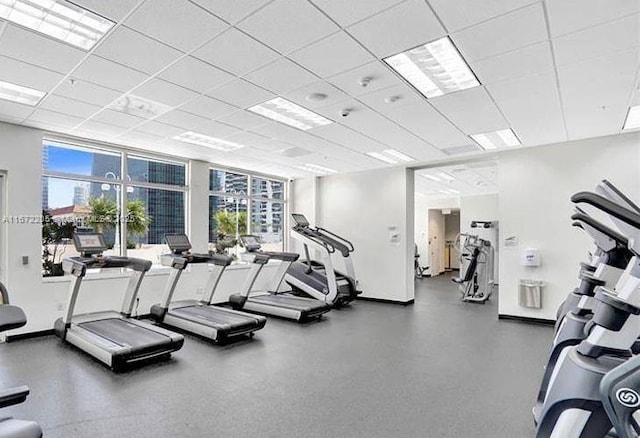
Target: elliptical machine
(476,261)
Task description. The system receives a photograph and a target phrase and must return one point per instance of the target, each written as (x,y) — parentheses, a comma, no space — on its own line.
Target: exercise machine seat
(468,275)
(12,428)
(11,317)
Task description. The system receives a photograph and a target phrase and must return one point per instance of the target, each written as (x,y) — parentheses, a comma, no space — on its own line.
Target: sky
(68,161)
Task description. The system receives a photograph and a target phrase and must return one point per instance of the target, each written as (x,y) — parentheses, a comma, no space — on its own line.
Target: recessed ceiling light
(59,19)
(284,111)
(390,156)
(139,106)
(633,118)
(434,68)
(20,94)
(205,140)
(496,139)
(314,168)
(431,177)
(445,176)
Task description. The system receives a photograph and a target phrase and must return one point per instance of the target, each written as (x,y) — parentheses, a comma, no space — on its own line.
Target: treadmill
(202,318)
(272,302)
(318,279)
(114,338)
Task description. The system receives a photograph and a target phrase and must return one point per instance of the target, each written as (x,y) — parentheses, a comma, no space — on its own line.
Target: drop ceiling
(474,178)
(552,71)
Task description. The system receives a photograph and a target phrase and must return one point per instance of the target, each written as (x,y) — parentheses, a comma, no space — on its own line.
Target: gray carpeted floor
(439,368)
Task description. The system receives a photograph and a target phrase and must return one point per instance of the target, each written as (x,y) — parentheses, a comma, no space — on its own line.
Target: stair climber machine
(318,279)
(114,338)
(272,301)
(203,318)
(594,389)
(476,268)
(12,317)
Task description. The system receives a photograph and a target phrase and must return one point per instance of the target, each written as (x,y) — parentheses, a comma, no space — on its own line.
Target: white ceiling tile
(532,107)
(281,76)
(563,16)
(218,130)
(62,122)
(471,110)
(137,139)
(247,138)
(381,34)
(380,77)
(346,136)
(231,11)
(243,119)
(87,92)
(208,107)
(332,55)
(287,25)
(34,48)
(595,93)
(348,12)
(236,52)
(68,106)
(425,122)
(15,110)
(196,75)
(241,93)
(113,9)
(117,118)
(529,60)
(159,129)
(98,130)
(181,119)
(178,23)
(459,14)
(137,51)
(404,95)
(108,74)
(16,120)
(507,32)
(27,75)
(620,34)
(164,92)
(334,95)
(275,130)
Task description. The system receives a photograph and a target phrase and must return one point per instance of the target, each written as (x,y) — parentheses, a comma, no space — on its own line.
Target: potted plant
(55,235)
(228,223)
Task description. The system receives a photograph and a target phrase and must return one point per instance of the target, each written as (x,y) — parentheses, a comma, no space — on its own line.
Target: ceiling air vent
(457,150)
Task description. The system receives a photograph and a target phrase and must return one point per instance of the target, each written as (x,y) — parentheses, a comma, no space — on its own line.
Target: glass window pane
(154,171)
(267,222)
(267,188)
(152,213)
(227,217)
(80,161)
(70,206)
(228,182)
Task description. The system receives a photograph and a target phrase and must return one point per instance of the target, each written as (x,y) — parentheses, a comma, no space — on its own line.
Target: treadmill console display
(299,220)
(250,243)
(89,243)
(178,243)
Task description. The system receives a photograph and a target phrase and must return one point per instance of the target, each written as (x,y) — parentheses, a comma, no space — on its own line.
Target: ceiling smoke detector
(364,82)
(392,99)
(316,97)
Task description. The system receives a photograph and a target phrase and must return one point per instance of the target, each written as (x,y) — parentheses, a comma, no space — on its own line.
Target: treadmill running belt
(123,332)
(214,316)
(289,302)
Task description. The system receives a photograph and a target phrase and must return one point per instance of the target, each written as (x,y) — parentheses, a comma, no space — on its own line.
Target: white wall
(362,206)
(478,208)
(303,199)
(535,189)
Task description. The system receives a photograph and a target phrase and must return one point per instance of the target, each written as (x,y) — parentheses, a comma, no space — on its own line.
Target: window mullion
(123,204)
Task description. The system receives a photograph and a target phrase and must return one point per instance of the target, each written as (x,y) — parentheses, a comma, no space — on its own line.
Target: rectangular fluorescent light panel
(205,140)
(314,168)
(633,118)
(390,156)
(283,111)
(431,177)
(59,19)
(496,139)
(139,106)
(20,94)
(434,69)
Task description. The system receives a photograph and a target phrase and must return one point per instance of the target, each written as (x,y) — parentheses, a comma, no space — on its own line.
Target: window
(245,204)
(83,190)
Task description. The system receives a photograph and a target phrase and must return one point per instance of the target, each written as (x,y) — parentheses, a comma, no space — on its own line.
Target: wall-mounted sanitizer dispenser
(530,257)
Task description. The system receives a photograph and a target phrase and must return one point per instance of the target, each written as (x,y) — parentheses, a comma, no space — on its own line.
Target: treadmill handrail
(619,238)
(78,266)
(611,208)
(340,238)
(310,234)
